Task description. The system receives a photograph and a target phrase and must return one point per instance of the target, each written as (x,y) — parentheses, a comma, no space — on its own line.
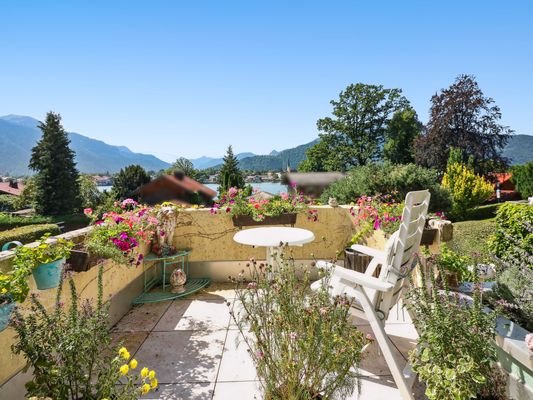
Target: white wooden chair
(373,298)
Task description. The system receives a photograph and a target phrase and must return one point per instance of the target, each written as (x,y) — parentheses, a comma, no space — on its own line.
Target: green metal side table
(156,277)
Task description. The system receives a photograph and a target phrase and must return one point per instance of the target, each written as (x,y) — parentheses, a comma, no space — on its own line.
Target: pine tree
(57,188)
(230,174)
(128,180)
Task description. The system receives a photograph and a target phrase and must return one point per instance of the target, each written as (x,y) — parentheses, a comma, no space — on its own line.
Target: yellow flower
(144,372)
(133,363)
(151,374)
(124,369)
(124,353)
(153,383)
(145,388)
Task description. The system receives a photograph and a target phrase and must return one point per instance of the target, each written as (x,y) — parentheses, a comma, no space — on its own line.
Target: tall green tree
(462,116)
(184,165)
(356,132)
(90,196)
(57,188)
(128,180)
(404,127)
(230,174)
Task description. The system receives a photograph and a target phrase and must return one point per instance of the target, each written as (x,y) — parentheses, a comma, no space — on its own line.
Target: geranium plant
(235,202)
(376,212)
(118,234)
(302,343)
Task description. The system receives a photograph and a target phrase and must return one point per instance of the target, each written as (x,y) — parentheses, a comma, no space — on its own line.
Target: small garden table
(152,278)
(274,238)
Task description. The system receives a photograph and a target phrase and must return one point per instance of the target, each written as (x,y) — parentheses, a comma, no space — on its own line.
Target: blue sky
(188,78)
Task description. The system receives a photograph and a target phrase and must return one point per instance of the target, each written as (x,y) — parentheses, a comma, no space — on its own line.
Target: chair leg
(381,337)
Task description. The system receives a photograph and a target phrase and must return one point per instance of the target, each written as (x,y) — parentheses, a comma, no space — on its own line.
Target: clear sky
(176,78)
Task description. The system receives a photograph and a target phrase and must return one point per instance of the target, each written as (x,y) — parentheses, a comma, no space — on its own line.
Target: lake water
(270,187)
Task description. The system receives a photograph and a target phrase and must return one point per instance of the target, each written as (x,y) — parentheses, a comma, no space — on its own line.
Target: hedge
(10,222)
(28,234)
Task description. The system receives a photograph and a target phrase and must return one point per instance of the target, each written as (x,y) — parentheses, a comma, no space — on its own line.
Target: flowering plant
(235,202)
(373,213)
(301,342)
(117,234)
(166,214)
(71,353)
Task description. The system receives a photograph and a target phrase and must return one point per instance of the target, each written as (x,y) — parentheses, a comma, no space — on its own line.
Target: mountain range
(18,135)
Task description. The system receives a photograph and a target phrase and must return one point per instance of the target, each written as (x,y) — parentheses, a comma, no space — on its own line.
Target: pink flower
(252,285)
(529,341)
(232,191)
(293,335)
(284,196)
(88,211)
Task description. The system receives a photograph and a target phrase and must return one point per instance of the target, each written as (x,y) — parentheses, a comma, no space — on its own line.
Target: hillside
(18,134)
(209,162)
(276,161)
(519,149)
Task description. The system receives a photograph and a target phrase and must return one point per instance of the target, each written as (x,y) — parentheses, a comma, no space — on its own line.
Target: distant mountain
(209,162)
(277,161)
(18,134)
(519,149)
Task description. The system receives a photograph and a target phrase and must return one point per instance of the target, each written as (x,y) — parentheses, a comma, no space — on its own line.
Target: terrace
(192,342)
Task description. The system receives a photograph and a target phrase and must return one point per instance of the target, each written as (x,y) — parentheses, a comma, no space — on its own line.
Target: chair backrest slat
(406,243)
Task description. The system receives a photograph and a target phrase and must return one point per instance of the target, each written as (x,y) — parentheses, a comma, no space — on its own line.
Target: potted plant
(429,234)
(117,235)
(166,214)
(45,261)
(13,289)
(262,210)
(302,343)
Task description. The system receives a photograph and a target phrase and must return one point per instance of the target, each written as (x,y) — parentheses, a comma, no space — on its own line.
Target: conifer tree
(57,188)
(128,180)
(230,174)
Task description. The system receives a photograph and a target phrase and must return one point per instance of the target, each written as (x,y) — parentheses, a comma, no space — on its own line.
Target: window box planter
(81,260)
(246,220)
(48,276)
(5,312)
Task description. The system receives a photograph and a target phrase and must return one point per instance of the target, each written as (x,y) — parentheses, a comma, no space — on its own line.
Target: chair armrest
(369,251)
(363,280)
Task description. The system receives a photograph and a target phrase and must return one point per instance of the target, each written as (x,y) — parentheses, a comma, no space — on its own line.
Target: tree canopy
(230,174)
(184,165)
(356,132)
(462,117)
(402,130)
(128,180)
(57,188)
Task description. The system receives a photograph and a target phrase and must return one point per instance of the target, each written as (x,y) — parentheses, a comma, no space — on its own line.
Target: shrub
(467,189)
(302,343)
(10,222)
(397,180)
(28,234)
(513,229)
(71,354)
(523,179)
(455,354)
(7,202)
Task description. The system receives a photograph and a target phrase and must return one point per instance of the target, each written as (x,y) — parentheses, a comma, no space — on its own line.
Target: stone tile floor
(199,354)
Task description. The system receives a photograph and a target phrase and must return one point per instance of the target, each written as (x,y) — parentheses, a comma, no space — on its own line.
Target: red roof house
(13,188)
(177,188)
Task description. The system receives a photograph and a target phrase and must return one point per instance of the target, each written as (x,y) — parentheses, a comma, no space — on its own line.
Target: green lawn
(471,236)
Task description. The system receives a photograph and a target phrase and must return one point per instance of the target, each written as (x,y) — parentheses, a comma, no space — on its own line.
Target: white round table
(274,238)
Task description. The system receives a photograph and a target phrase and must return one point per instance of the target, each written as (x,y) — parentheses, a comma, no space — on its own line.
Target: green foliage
(28,196)
(28,234)
(128,180)
(230,174)
(523,179)
(355,134)
(8,203)
(28,258)
(513,222)
(57,189)
(455,355)
(302,342)
(10,222)
(462,117)
(396,180)
(402,130)
(451,261)
(14,286)
(183,165)
(89,193)
(471,237)
(71,353)
(467,189)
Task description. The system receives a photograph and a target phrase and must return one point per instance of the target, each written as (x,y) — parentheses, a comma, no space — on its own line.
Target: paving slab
(131,340)
(216,291)
(182,391)
(236,364)
(237,391)
(142,318)
(202,315)
(183,356)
